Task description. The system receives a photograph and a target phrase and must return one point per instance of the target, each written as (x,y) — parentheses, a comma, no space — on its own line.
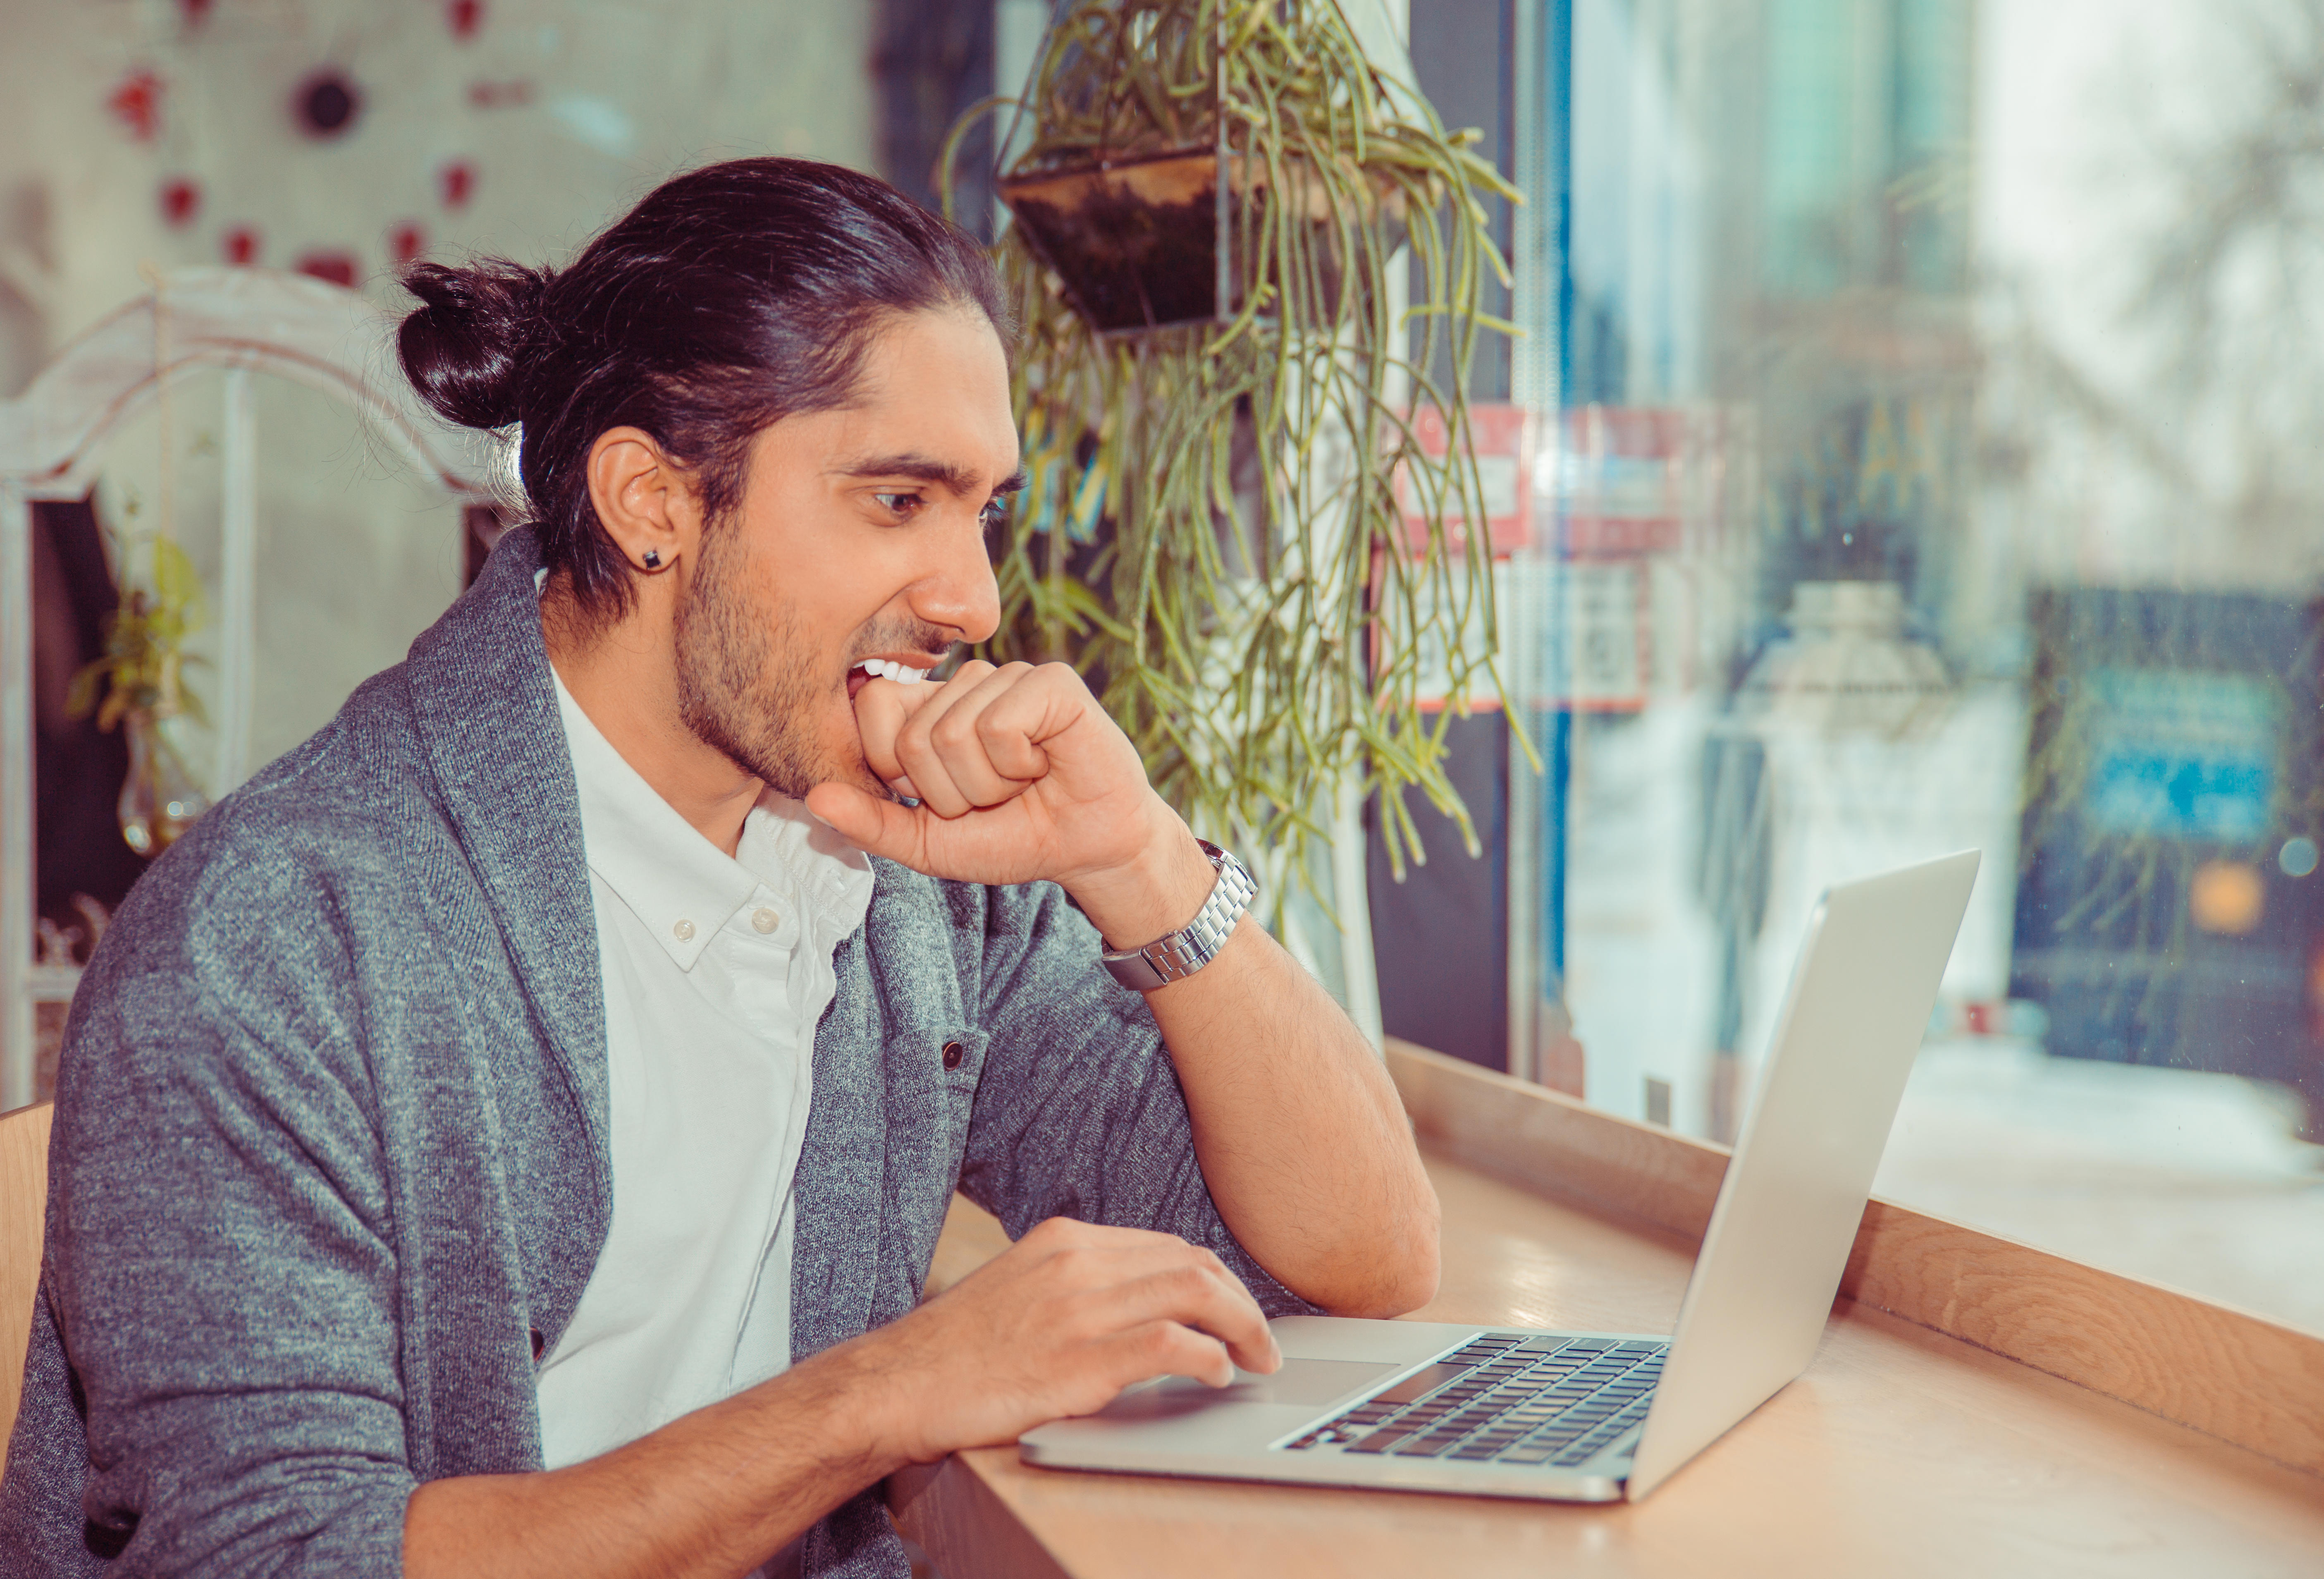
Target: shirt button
(682,929)
(952,1054)
(765,919)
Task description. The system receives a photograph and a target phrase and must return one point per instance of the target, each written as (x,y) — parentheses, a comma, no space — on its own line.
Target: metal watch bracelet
(1176,955)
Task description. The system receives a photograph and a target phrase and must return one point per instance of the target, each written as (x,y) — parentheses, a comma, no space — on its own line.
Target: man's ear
(645,500)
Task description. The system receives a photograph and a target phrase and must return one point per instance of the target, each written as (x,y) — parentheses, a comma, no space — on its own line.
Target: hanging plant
(143,670)
(1218,391)
(140,682)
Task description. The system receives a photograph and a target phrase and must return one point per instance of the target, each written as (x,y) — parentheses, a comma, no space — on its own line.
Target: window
(1925,458)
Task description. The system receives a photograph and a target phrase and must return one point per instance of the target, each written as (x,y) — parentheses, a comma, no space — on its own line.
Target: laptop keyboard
(1509,1398)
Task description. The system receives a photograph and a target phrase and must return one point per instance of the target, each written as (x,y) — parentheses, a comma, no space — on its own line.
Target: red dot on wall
(181,198)
(456,183)
(405,242)
(136,103)
(338,267)
(466,17)
(240,244)
(195,11)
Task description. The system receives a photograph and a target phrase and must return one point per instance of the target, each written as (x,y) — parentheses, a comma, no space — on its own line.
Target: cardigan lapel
(836,1191)
(486,711)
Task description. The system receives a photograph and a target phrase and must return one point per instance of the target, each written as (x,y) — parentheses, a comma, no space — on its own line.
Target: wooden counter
(1900,1452)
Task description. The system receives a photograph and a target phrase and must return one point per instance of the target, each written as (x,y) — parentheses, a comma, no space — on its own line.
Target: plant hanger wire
(1230,524)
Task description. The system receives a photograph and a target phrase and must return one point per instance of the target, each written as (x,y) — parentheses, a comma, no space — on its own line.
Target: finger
(931,780)
(880,714)
(1164,1348)
(1042,704)
(1106,1261)
(916,751)
(1194,1291)
(877,826)
(883,708)
(976,736)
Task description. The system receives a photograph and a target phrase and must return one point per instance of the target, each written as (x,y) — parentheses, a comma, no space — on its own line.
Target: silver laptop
(1599,1417)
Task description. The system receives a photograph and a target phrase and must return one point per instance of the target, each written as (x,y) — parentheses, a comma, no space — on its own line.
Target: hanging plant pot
(1145,243)
(159,798)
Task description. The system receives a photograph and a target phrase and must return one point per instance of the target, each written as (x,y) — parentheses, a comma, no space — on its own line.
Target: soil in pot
(1136,241)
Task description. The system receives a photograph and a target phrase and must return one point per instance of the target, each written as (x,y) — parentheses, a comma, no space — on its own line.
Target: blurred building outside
(1882,327)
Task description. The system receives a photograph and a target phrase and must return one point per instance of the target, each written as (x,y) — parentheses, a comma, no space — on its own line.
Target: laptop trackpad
(1300,1382)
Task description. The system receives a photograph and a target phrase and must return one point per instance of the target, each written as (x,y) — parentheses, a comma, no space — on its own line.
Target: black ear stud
(653,558)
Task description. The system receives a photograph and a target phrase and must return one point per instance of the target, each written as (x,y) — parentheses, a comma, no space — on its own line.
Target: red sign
(1501,439)
(1618,475)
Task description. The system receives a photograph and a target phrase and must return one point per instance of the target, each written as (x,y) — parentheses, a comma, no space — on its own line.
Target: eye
(995,514)
(898,503)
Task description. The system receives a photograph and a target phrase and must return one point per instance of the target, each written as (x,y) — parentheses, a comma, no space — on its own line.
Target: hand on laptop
(1056,1325)
(1020,776)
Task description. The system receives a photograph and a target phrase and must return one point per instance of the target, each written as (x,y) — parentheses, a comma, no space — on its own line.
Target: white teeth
(887,668)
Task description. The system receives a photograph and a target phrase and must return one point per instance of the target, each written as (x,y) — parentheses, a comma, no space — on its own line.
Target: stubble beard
(747,684)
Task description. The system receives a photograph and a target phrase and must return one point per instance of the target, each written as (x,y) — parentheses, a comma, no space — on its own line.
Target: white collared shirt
(717,971)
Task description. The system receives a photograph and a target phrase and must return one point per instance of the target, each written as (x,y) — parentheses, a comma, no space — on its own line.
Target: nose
(958,591)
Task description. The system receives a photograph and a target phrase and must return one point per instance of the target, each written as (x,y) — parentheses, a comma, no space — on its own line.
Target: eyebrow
(959,479)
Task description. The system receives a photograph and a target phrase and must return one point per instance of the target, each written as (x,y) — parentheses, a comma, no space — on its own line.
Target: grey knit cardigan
(330,1161)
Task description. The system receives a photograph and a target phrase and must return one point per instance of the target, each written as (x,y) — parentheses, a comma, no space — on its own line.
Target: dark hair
(730,297)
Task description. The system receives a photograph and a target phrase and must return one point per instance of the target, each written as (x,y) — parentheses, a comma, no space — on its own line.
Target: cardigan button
(952,1054)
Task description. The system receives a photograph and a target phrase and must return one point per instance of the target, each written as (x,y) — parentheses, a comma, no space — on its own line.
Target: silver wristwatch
(1176,955)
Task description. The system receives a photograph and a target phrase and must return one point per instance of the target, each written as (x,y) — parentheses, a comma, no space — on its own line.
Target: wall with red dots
(348,140)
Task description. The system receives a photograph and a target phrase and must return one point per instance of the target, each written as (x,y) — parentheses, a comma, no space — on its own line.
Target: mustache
(918,636)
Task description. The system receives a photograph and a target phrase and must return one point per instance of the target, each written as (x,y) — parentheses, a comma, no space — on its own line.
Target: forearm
(1301,1136)
(1303,1141)
(1055,1325)
(715,1493)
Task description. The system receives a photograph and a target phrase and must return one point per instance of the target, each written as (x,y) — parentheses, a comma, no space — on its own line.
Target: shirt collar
(678,882)
(783,841)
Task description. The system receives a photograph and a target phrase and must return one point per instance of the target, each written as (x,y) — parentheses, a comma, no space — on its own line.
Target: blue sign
(2181,754)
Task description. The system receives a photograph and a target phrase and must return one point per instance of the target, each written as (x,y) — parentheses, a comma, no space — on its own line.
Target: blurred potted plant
(1217,388)
(141,681)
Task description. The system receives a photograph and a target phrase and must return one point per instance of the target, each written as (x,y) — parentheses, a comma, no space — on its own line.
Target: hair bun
(463,348)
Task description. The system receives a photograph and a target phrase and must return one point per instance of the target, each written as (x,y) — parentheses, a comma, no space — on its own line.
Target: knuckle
(1158,1340)
(1189,1282)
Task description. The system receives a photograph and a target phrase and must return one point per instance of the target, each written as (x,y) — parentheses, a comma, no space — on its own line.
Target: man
(509,1136)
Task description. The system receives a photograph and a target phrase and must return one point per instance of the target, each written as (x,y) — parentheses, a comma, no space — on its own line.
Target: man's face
(859,536)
